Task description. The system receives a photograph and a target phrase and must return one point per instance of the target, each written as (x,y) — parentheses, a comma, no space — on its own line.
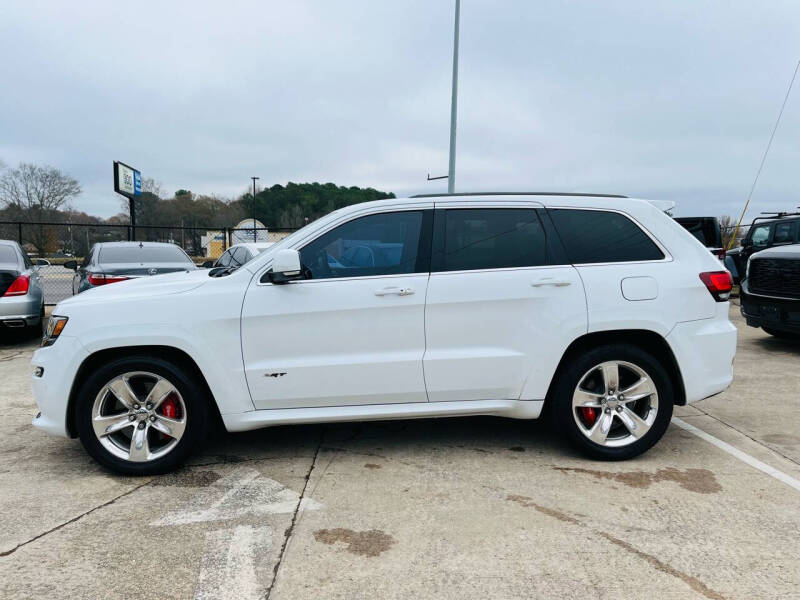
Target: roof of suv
(518,194)
(577,199)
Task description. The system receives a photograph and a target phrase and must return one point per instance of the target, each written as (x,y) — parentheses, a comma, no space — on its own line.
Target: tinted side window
(489,238)
(596,236)
(382,244)
(784,233)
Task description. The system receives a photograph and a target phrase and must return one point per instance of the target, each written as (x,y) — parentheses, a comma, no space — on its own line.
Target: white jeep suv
(601,309)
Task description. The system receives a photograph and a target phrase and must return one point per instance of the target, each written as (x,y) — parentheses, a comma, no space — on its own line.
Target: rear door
(502,302)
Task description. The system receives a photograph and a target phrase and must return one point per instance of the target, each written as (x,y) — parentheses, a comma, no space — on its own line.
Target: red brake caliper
(588,414)
(169,408)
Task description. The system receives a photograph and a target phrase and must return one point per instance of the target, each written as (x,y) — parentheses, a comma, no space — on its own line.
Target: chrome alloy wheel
(139,416)
(615,403)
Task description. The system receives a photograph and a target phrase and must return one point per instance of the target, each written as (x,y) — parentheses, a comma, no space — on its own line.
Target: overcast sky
(668,99)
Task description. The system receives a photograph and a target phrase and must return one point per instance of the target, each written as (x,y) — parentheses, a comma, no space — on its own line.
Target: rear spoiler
(663,205)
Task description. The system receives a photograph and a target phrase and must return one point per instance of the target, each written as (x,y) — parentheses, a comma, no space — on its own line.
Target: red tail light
(719,283)
(103,279)
(719,253)
(19,287)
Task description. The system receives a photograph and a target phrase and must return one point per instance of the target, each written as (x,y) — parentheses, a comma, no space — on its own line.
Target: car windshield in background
(143,254)
(7,255)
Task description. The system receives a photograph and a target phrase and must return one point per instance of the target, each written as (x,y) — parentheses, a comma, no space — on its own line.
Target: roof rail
(518,194)
(769,216)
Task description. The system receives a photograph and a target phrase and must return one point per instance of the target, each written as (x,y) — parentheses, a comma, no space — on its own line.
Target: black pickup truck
(770,292)
(779,229)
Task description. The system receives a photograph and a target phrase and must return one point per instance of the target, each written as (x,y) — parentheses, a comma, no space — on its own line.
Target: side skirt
(513,409)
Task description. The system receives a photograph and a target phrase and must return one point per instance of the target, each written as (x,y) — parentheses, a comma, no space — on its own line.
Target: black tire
(195,398)
(784,335)
(34,331)
(570,377)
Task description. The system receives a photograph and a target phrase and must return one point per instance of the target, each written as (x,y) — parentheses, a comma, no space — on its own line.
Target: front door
(353,330)
(502,304)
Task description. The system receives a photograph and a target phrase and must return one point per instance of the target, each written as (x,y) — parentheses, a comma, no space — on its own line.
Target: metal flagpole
(451,173)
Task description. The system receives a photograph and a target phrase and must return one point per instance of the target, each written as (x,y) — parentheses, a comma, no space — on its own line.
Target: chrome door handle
(394,291)
(550,281)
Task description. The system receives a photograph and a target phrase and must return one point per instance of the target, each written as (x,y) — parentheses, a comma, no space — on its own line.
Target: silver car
(21,296)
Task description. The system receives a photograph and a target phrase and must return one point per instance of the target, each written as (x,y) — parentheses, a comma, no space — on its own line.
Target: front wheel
(614,402)
(141,415)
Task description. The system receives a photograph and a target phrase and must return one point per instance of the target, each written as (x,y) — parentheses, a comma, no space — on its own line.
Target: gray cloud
(659,99)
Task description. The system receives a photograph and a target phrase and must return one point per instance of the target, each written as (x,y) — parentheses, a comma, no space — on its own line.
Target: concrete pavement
(455,508)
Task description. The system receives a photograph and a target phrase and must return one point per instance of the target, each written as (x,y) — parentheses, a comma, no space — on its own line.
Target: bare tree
(727,225)
(36,193)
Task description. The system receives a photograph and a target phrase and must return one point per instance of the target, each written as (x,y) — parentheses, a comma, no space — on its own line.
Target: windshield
(289,240)
(142,254)
(760,235)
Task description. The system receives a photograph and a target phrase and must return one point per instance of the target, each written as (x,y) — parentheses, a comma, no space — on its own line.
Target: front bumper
(51,390)
(704,351)
(782,314)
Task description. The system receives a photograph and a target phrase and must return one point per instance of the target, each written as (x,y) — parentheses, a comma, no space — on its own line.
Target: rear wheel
(614,402)
(784,335)
(141,416)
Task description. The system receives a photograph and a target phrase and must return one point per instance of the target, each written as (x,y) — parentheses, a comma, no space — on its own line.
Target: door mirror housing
(207,264)
(285,266)
(71,264)
(746,242)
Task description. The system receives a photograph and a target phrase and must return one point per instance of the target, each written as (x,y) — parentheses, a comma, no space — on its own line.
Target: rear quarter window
(8,255)
(599,236)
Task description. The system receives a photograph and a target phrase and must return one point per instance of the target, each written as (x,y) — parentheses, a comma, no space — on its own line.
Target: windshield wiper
(221,271)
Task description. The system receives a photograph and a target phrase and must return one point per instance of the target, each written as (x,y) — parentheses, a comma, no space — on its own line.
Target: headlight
(747,268)
(54,328)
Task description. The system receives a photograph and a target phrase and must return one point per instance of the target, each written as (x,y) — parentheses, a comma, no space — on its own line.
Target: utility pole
(451,173)
(254,207)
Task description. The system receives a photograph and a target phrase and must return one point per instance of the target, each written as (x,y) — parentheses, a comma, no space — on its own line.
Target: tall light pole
(451,173)
(254,207)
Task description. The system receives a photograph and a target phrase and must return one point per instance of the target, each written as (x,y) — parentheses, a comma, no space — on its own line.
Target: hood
(789,251)
(143,287)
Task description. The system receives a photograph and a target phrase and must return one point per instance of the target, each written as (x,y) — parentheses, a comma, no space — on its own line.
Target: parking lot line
(743,456)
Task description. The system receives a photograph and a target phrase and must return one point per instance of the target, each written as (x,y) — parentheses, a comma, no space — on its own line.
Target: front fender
(218,358)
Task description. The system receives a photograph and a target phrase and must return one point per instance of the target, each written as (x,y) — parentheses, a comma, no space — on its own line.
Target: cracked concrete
(454,508)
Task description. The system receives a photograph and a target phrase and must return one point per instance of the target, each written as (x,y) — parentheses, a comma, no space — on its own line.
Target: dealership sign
(127,180)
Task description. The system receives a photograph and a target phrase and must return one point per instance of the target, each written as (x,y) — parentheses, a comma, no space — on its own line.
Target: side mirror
(40,262)
(208,264)
(71,264)
(285,267)
(746,243)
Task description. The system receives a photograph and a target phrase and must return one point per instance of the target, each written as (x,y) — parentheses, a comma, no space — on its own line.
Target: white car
(238,254)
(601,308)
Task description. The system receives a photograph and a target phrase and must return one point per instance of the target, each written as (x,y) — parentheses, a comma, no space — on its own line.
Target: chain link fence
(58,243)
